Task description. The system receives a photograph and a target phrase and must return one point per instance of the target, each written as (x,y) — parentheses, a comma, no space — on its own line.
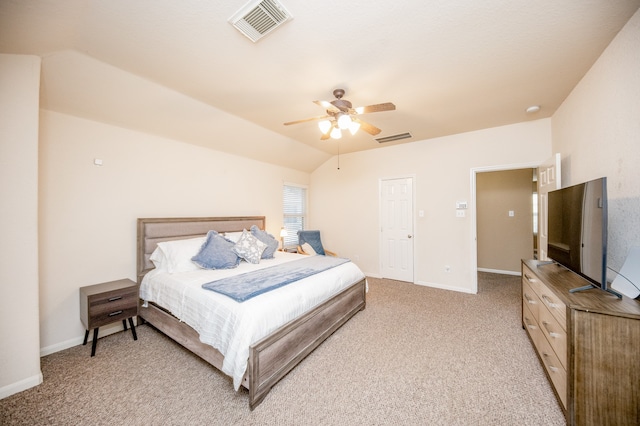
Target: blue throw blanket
(250,284)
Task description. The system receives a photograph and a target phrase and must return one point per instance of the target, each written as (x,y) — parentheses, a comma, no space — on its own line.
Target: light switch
(511,213)
(421,213)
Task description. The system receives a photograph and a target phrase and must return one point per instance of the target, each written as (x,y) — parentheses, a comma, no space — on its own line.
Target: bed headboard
(152,231)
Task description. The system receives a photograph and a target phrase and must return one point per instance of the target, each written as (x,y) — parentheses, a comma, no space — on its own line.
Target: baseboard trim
(21,385)
(499,271)
(445,287)
(116,327)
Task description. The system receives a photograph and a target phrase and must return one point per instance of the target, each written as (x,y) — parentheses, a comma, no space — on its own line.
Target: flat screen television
(577,231)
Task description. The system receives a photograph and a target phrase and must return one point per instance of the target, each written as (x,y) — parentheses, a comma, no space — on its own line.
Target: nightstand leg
(124,322)
(95,341)
(133,329)
(86,336)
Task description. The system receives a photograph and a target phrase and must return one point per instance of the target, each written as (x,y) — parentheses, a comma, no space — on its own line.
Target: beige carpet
(415,355)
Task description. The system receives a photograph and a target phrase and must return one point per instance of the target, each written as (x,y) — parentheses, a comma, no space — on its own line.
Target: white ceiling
(179,68)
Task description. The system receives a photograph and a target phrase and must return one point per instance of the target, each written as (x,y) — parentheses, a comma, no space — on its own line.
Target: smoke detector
(256,19)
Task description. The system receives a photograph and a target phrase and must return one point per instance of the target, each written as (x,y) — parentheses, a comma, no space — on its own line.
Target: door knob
(409,236)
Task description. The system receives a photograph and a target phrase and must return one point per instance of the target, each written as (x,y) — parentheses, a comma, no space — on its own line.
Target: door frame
(413,221)
(473,214)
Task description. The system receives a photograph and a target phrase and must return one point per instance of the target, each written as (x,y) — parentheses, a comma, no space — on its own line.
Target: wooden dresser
(588,343)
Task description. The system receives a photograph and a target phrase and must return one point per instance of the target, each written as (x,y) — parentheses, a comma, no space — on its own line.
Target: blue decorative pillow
(216,253)
(249,247)
(268,239)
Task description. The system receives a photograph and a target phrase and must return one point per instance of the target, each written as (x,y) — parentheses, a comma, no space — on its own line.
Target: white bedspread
(232,327)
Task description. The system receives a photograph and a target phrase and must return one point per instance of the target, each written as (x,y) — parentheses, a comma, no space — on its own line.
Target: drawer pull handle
(527,321)
(553,334)
(551,367)
(113,314)
(531,280)
(529,299)
(549,302)
(113,299)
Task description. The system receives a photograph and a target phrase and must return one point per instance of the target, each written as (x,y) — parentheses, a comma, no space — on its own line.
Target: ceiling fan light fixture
(336,133)
(344,121)
(325,126)
(354,127)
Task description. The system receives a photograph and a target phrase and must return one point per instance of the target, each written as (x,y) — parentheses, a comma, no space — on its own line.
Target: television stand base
(589,287)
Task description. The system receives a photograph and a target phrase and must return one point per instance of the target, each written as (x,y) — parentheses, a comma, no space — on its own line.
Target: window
(294,206)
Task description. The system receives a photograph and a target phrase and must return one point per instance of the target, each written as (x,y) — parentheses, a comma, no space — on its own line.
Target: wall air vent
(392,138)
(256,19)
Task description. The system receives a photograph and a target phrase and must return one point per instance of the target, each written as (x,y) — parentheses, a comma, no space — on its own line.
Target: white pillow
(178,254)
(306,247)
(159,259)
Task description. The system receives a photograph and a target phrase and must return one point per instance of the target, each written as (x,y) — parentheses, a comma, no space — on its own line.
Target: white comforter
(232,327)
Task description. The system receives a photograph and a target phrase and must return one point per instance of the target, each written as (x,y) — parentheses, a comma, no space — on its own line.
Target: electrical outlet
(460,213)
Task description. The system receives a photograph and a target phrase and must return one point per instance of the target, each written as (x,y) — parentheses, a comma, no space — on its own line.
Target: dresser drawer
(531,299)
(531,325)
(557,308)
(555,334)
(530,278)
(554,368)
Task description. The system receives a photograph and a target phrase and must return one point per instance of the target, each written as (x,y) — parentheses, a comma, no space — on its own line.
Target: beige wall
(88,213)
(597,131)
(344,203)
(19,332)
(504,240)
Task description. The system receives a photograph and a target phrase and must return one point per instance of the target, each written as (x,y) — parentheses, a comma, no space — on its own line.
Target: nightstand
(105,303)
(290,249)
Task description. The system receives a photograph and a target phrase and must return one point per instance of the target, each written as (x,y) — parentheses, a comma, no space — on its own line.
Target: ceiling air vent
(258,18)
(394,137)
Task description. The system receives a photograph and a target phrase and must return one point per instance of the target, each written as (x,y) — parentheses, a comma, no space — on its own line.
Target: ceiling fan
(342,116)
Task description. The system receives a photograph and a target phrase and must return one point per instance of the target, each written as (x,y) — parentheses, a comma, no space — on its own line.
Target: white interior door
(548,180)
(396,206)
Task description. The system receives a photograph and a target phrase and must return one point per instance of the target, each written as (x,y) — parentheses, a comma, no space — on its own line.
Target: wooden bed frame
(275,355)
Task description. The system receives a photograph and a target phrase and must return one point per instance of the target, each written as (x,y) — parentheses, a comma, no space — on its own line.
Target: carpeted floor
(415,355)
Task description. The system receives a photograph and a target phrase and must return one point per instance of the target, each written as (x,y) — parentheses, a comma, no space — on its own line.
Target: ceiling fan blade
(321,117)
(387,106)
(369,128)
(328,106)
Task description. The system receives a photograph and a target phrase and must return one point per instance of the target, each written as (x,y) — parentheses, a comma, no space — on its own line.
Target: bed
(272,356)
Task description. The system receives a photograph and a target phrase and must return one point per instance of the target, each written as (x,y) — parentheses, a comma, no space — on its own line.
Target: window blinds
(294,204)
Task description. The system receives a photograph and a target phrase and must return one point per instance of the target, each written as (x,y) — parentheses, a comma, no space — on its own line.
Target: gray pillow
(216,253)
(249,247)
(268,239)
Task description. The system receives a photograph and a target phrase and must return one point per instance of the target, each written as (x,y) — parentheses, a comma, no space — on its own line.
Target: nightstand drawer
(113,300)
(107,317)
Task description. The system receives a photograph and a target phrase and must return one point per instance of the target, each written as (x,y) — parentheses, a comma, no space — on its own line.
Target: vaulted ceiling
(179,69)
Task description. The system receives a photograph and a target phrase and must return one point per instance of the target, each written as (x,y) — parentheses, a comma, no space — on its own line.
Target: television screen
(577,229)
